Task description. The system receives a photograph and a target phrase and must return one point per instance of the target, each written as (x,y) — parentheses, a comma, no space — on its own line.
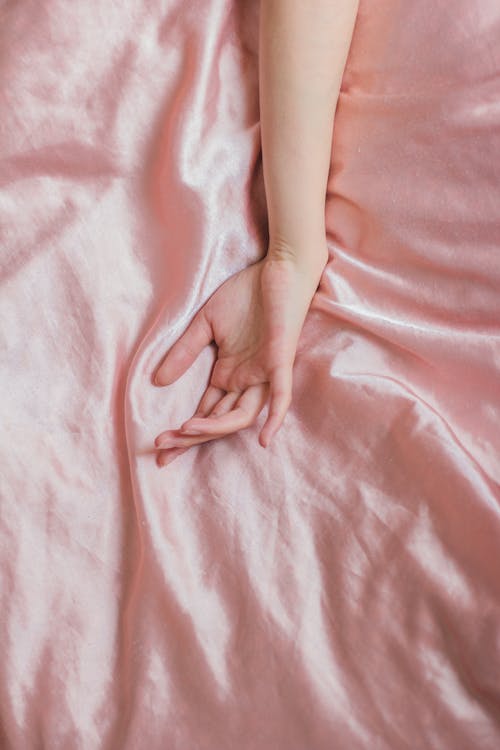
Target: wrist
(308,258)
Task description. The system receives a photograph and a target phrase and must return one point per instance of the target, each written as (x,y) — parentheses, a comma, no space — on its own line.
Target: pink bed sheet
(339,590)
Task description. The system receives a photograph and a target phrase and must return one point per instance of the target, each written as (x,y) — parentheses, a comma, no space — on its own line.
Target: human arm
(303,47)
(256,316)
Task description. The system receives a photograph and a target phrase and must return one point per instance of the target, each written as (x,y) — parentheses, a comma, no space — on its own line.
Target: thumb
(186,349)
(280,398)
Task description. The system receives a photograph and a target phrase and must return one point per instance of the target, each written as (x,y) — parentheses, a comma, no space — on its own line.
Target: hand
(255,318)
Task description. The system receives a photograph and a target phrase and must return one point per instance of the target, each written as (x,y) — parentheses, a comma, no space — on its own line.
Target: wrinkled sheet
(340,589)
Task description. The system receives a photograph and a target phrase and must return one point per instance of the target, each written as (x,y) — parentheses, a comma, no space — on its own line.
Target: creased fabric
(339,590)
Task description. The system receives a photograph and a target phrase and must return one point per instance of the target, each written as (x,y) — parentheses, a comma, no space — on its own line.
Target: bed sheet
(340,589)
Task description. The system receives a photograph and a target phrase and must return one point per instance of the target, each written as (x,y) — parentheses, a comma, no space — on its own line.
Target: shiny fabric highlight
(339,590)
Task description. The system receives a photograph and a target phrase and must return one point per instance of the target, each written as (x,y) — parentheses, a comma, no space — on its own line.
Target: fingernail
(190,431)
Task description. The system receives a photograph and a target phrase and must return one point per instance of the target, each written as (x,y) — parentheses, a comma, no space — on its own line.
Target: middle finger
(246,409)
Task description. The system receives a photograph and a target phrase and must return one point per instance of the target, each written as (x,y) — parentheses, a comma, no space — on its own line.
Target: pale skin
(256,316)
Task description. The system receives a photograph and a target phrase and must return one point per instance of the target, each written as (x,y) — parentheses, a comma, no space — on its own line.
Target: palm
(255,318)
(248,318)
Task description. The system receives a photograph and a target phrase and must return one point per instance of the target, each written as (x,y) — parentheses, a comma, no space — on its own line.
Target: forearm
(303,48)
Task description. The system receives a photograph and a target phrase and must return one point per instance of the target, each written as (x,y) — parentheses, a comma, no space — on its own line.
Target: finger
(225,404)
(251,402)
(281,396)
(165,457)
(179,440)
(220,407)
(185,350)
(210,398)
(246,409)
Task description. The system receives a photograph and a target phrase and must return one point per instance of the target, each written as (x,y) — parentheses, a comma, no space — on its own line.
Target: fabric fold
(340,588)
